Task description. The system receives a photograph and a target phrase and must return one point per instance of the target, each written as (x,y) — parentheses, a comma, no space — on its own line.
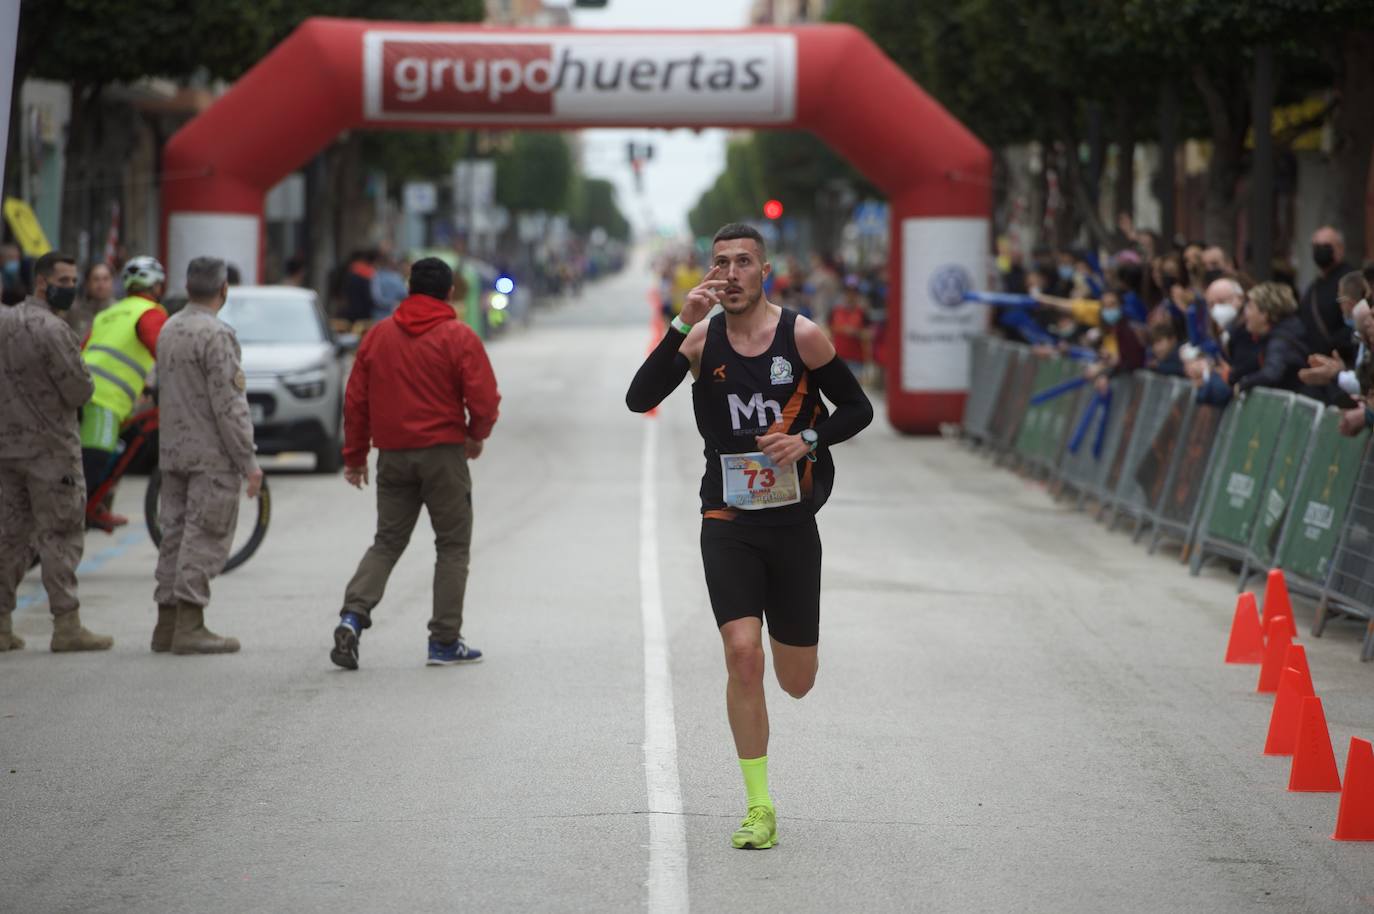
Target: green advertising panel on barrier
(1283,476)
(1135,398)
(1032,427)
(1059,411)
(1037,437)
(1314,523)
(1153,469)
(1242,471)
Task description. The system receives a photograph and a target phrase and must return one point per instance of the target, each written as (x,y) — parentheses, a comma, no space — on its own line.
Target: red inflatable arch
(333,75)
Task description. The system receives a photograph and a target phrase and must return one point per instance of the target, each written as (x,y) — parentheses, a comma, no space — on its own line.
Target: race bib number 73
(753,482)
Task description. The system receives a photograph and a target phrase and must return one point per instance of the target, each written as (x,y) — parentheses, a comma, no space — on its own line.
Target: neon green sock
(756,781)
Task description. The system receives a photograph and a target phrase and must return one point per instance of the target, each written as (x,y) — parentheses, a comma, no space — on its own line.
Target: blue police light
(505,285)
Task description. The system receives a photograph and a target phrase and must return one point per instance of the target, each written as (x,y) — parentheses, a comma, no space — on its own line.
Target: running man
(759,374)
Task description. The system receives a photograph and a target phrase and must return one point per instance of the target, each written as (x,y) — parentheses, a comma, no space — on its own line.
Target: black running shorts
(765,572)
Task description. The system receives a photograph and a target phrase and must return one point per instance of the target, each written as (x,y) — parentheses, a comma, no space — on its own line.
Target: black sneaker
(345,653)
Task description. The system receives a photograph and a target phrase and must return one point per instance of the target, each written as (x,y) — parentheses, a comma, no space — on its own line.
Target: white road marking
(667,834)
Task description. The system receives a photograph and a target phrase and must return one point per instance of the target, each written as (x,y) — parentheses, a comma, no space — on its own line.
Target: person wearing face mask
(120,352)
(1215,264)
(1334,374)
(42,498)
(1321,314)
(205,453)
(1121,346)
(1361,416)
(1239,349)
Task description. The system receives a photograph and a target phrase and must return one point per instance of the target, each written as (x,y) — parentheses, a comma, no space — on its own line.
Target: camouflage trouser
(43,502)
(198,513)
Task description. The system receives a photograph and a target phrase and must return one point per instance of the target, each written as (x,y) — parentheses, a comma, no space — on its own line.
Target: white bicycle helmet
(142,272)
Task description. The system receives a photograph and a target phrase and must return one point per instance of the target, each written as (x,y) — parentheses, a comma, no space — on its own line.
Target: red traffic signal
(772,209)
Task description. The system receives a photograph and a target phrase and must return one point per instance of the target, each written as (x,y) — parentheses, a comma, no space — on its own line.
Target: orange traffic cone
(1314,763)
(1355,820)
(1294,685)
(1276,642)
(1247,637)
(1276,601)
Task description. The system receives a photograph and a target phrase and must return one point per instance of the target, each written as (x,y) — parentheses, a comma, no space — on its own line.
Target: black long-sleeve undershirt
(853,411)
(660,374)
(666,366)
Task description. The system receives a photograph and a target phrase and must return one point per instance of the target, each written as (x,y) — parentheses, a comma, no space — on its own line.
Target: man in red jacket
(436,403)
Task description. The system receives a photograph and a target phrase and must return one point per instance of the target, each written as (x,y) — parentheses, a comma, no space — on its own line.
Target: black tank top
(737,399)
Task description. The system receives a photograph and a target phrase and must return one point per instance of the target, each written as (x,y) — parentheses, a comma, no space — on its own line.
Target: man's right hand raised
(703,297)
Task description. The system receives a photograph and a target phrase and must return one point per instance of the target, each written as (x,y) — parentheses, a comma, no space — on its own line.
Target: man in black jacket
(1322,320)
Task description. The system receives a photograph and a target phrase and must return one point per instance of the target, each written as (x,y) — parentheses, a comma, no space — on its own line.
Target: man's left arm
(229,402)
(853,411)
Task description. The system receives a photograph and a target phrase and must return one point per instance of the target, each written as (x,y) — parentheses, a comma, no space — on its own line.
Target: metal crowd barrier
(1349,588)
(1175,514)
(990,358)
(1097,432)
(1268,482)
(1156,401)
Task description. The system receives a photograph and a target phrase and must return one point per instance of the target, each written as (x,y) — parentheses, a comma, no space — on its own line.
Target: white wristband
(680,325)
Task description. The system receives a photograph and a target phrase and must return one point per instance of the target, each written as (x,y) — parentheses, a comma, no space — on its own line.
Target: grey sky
(685,162)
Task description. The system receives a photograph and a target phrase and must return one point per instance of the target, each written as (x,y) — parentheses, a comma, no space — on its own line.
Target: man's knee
(796,684)
(744,659)
(796,674)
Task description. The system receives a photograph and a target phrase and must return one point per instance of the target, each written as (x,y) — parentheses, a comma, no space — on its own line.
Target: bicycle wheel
(252,525)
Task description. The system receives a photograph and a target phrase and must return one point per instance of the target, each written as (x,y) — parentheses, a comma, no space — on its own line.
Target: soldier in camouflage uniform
(205,453)
(42,491)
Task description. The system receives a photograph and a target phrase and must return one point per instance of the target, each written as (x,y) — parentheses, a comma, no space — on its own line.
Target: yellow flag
(25,226)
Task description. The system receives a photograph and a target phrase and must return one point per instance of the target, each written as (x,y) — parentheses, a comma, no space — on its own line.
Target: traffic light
(772,209)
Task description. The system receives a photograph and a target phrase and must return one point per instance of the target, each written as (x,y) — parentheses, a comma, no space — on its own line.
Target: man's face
(737,261)
(1364,321)
(1214,259)
(1221,293)
(1327,235)
(63,277)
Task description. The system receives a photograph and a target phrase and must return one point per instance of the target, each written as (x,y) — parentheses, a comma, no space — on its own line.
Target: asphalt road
(1016,710)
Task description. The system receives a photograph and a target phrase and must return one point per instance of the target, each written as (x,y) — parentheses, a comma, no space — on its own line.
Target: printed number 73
(765,479)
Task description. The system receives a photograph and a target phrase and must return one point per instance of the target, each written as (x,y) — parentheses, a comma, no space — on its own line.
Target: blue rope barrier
(1001,299)
(1057,390)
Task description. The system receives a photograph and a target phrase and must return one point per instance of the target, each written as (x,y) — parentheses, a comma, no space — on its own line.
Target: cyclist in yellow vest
(119,353)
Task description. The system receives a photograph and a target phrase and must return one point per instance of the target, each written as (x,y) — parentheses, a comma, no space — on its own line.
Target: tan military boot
(68,634)
(192,637)
(9,641)
(166,625)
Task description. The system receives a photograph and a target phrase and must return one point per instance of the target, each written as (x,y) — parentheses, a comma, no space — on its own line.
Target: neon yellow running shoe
(758,830)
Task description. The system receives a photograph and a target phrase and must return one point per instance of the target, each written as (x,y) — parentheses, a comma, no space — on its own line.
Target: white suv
(295,369)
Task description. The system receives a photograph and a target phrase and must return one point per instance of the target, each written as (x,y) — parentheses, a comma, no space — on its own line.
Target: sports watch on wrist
(812,440)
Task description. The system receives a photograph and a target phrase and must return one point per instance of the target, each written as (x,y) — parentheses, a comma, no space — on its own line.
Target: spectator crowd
(1188,311)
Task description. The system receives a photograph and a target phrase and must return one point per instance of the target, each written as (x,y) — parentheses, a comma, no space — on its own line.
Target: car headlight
(307,384)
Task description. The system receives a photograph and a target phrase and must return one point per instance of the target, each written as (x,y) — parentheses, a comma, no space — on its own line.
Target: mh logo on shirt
(755,410)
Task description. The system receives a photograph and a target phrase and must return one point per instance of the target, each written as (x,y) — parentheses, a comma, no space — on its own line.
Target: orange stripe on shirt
(793,407)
